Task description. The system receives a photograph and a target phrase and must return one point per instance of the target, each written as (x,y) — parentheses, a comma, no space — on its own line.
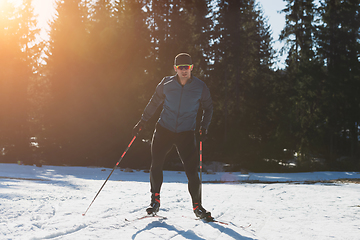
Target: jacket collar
(178,80)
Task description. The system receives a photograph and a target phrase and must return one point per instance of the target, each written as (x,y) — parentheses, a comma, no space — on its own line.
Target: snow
(48,203)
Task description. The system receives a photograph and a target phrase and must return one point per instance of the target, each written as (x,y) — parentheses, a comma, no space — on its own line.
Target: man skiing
(181,96)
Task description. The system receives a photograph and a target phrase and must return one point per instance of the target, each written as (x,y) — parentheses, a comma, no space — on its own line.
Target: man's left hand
(203,134)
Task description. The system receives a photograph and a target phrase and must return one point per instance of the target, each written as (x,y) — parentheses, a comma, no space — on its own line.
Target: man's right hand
(138,128)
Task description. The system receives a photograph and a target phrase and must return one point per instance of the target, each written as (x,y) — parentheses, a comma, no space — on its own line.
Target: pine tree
(120,43)
(178,26)
(242,56)
(19,56)
(67,111)
(96,68)
(339,49)
(304,73)
(9,48)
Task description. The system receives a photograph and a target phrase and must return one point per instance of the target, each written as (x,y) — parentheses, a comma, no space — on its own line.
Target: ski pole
(118,162)
(200,153)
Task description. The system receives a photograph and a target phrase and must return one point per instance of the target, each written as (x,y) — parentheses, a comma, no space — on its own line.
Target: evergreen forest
(74,99)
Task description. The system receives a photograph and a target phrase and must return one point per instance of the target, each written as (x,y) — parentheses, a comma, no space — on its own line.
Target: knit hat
(183,59)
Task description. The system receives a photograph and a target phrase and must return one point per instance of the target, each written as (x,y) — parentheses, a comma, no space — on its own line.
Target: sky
(271,10)
(45,11)
(276,20)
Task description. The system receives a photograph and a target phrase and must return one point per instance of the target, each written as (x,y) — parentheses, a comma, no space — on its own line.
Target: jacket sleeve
(207,106)
(155,101)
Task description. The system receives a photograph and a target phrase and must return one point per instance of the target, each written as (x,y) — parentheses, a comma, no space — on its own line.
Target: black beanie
(183,59)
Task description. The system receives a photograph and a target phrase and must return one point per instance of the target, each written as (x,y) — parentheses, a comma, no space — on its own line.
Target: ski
(208,221)
(243,227)
(147,216)
(215,221)
(226,223)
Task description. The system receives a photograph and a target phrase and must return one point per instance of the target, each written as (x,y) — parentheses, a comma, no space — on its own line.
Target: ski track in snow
(48,203)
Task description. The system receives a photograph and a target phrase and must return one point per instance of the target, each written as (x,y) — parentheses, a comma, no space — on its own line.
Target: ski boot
(154,205)
(201,213)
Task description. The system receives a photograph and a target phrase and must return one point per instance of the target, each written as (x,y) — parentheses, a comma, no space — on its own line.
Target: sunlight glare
(43,9)
(15,2)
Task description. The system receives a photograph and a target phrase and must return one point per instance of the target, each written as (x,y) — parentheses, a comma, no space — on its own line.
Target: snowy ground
(48,203)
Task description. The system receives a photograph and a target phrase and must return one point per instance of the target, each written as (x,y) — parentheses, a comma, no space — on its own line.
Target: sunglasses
(183,67)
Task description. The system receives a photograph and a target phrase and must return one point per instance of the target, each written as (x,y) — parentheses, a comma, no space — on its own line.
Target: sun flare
(16,3)
(43,9)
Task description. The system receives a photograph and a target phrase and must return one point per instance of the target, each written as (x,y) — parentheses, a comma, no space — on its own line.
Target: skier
(181,96)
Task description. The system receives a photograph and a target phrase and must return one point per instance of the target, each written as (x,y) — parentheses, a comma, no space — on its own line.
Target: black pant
(162,142)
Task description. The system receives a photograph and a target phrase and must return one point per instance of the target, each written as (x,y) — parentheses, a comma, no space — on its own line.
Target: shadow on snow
(190,234)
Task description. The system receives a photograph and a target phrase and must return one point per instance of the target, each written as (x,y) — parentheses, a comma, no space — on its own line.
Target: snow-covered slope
(48,203)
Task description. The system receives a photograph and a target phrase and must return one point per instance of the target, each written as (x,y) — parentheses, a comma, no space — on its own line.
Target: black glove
(138,127)
(203,134)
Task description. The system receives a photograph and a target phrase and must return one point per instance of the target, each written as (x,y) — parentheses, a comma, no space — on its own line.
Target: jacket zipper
(177,117)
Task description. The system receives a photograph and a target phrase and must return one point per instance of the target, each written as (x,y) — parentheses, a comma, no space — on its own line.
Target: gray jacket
(181,104)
